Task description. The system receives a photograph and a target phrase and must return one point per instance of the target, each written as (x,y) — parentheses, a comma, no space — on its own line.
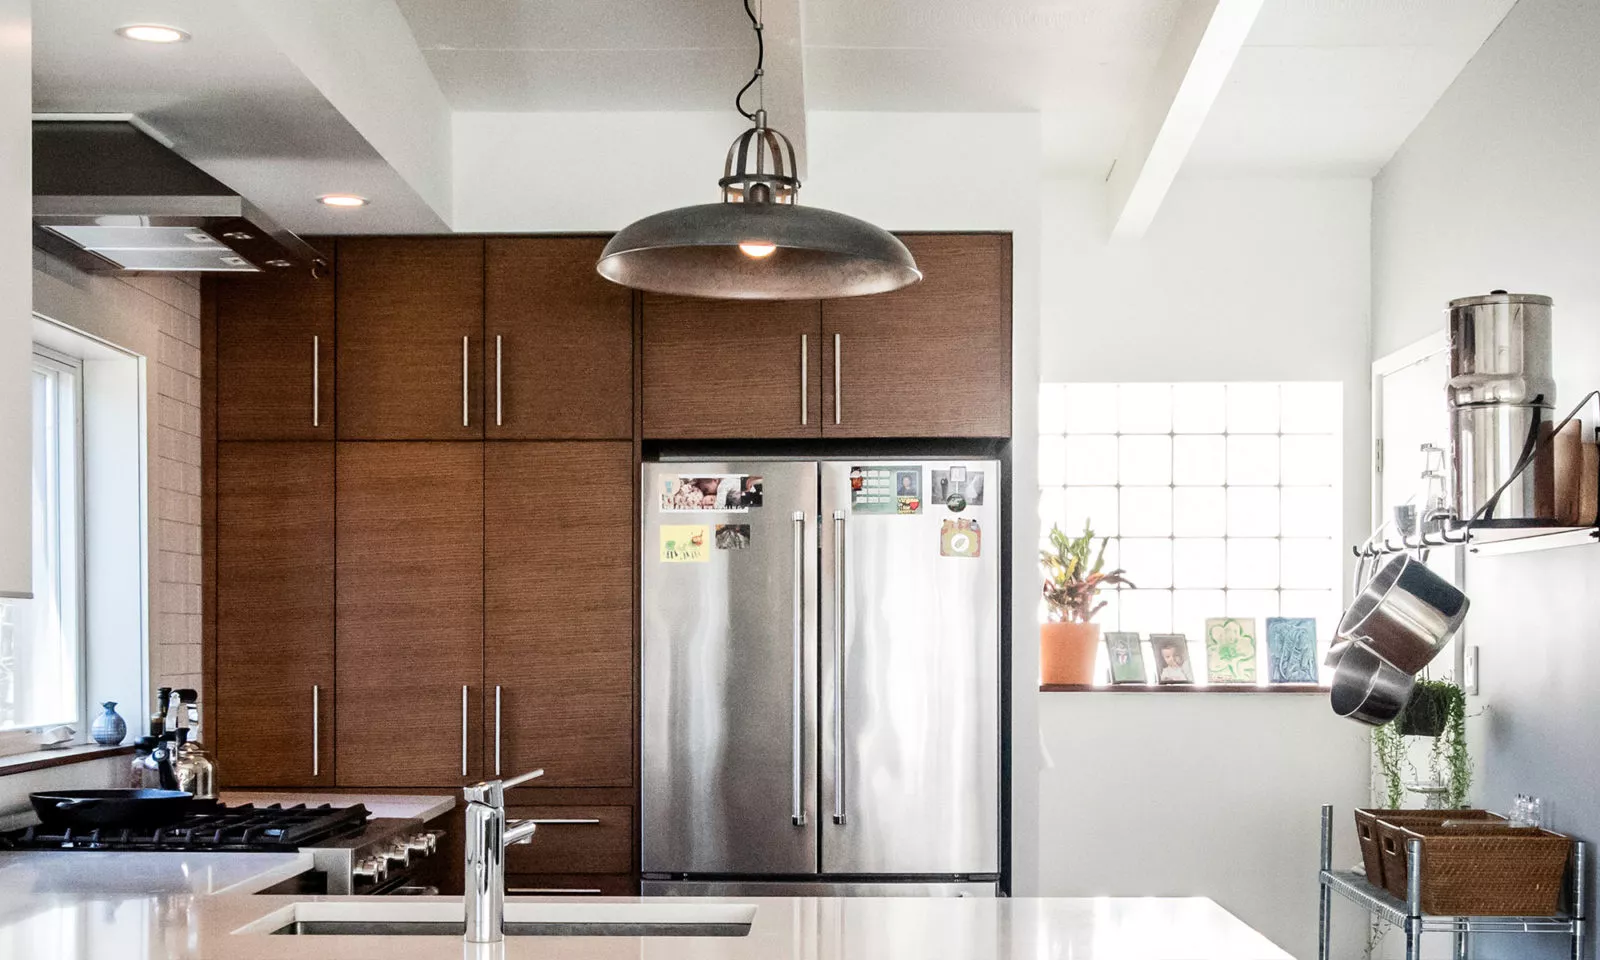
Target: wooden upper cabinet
(932,359)
(410,320)
(275,615)
(558,342)
(275,352)
(558,558)
(410,613)
(732,368)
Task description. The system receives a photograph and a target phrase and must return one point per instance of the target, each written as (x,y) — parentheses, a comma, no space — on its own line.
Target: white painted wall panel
(16,211)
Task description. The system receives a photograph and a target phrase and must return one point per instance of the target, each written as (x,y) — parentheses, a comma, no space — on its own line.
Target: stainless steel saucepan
(1405,614)
(1367,687)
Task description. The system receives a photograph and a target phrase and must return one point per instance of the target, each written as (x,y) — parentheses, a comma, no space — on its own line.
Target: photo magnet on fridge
(886,489)
(733,536)
(690,543)
(731,493)
(946,485)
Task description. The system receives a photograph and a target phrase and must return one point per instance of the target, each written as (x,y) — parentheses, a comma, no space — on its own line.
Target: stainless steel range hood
(111,198)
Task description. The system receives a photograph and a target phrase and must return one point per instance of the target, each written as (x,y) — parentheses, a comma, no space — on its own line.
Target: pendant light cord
(761,56)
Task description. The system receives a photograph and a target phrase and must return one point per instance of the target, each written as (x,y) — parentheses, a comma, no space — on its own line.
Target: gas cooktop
(209,827)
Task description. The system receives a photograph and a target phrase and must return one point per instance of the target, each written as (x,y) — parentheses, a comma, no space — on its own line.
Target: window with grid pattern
(1219,499)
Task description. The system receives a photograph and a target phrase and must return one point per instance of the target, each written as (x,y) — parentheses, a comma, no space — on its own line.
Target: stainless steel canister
(1502,390)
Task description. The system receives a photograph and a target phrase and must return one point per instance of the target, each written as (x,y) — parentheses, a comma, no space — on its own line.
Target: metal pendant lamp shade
(696,251)
(758,243)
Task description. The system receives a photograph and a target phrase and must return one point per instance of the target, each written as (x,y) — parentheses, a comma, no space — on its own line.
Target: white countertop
(405,806)
(169,906)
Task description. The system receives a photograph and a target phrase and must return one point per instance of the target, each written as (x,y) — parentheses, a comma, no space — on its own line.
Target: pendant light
(758,243)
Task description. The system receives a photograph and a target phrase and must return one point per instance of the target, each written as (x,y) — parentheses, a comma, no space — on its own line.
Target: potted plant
(1068,641)
(1435,713)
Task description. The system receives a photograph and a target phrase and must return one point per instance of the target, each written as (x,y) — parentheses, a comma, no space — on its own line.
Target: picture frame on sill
(1125,654)
(1231,650)
(1292,650)
(1172,658)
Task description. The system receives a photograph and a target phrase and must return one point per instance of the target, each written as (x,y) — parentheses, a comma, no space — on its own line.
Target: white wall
(16,211)
(1498,188)
(572,172)
(1261,279)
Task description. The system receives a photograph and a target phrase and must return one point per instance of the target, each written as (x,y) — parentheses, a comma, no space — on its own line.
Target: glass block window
(1220,499)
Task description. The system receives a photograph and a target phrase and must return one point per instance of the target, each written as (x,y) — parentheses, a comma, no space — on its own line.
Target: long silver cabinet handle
(838,399)
(497,386)
(543,891)
(465,376)
(497,729)
(463,729)
(559,822)
(805,360)
(316,381)
(838,667)
(797,808)
(316,730)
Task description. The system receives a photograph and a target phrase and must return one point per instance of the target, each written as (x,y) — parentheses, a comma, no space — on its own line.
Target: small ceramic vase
(108,729)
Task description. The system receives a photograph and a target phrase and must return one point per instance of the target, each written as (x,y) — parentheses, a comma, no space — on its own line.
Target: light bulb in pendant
(756,249)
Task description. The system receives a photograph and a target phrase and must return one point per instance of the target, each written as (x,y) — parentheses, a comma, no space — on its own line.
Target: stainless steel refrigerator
(821,677)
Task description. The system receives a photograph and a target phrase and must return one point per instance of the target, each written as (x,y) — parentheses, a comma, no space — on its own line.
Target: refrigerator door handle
(797,809)
(838,667)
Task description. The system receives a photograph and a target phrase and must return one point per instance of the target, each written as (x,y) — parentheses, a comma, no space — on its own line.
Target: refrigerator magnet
(733,536)
(886,489)
(959,538)
(945,484)
(686,543)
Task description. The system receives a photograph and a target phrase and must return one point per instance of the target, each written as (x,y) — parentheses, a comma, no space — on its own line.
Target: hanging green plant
(1437,710)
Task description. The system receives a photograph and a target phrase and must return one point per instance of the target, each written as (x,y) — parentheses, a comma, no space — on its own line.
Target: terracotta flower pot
(1067,652)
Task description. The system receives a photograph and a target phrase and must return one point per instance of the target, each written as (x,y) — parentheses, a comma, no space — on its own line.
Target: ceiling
(1323,86)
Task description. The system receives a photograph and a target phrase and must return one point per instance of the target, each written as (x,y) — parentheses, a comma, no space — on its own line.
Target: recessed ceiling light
(342,200)
(152,33)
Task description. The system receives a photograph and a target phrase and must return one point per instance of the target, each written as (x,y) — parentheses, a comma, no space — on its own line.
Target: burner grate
(246,828)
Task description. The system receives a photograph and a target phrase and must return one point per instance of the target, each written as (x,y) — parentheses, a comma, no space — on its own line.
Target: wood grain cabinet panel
(573,840)
(558,342)
(410,613)
(410,326)
(559,555)
(731,368)
(929,360)
(275,614)
(275,353)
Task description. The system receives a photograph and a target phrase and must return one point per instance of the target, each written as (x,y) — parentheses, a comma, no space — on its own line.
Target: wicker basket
(1480,869)
(1369,827)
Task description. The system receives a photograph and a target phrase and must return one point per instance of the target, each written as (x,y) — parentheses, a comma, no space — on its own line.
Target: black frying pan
(127,807)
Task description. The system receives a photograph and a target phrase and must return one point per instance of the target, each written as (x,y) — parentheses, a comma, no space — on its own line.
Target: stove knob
(398,855)
(373,870)
(421,844)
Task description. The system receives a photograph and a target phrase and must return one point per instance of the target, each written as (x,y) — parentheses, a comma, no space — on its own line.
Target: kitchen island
(89,906)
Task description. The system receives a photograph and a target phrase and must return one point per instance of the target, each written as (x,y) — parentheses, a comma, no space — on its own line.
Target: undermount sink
(538,919)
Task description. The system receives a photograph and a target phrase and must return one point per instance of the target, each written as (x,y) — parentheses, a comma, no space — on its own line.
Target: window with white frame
(41,640)
(1219,499)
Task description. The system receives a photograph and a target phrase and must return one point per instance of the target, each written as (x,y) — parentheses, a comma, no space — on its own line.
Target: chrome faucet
(486,842)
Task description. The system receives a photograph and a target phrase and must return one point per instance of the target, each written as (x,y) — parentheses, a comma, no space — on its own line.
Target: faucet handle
(492,792)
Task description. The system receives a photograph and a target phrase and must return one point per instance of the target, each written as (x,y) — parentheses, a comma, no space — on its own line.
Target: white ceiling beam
(783,32)
(1199,54)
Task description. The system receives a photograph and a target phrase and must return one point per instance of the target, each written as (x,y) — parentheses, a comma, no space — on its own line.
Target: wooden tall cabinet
(275,352)
(275,698)
(932,359)
(558,618)
(410,330)
(410,613)
(732,368)
(558,342)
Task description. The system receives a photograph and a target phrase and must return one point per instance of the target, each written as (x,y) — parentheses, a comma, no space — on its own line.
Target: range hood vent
(111,198)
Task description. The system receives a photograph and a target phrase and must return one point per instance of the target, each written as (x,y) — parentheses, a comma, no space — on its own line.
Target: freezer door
(729,672)
(910,668)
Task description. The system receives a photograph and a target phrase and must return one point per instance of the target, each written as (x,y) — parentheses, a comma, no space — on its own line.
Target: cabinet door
(274,702)
(932,359)
(731,368)
(558,342)
(410,339)
(559,664)
(274,357)
(410,613)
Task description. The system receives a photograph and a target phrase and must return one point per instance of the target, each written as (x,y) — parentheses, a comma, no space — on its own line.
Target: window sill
(45,759)
(1279,688)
